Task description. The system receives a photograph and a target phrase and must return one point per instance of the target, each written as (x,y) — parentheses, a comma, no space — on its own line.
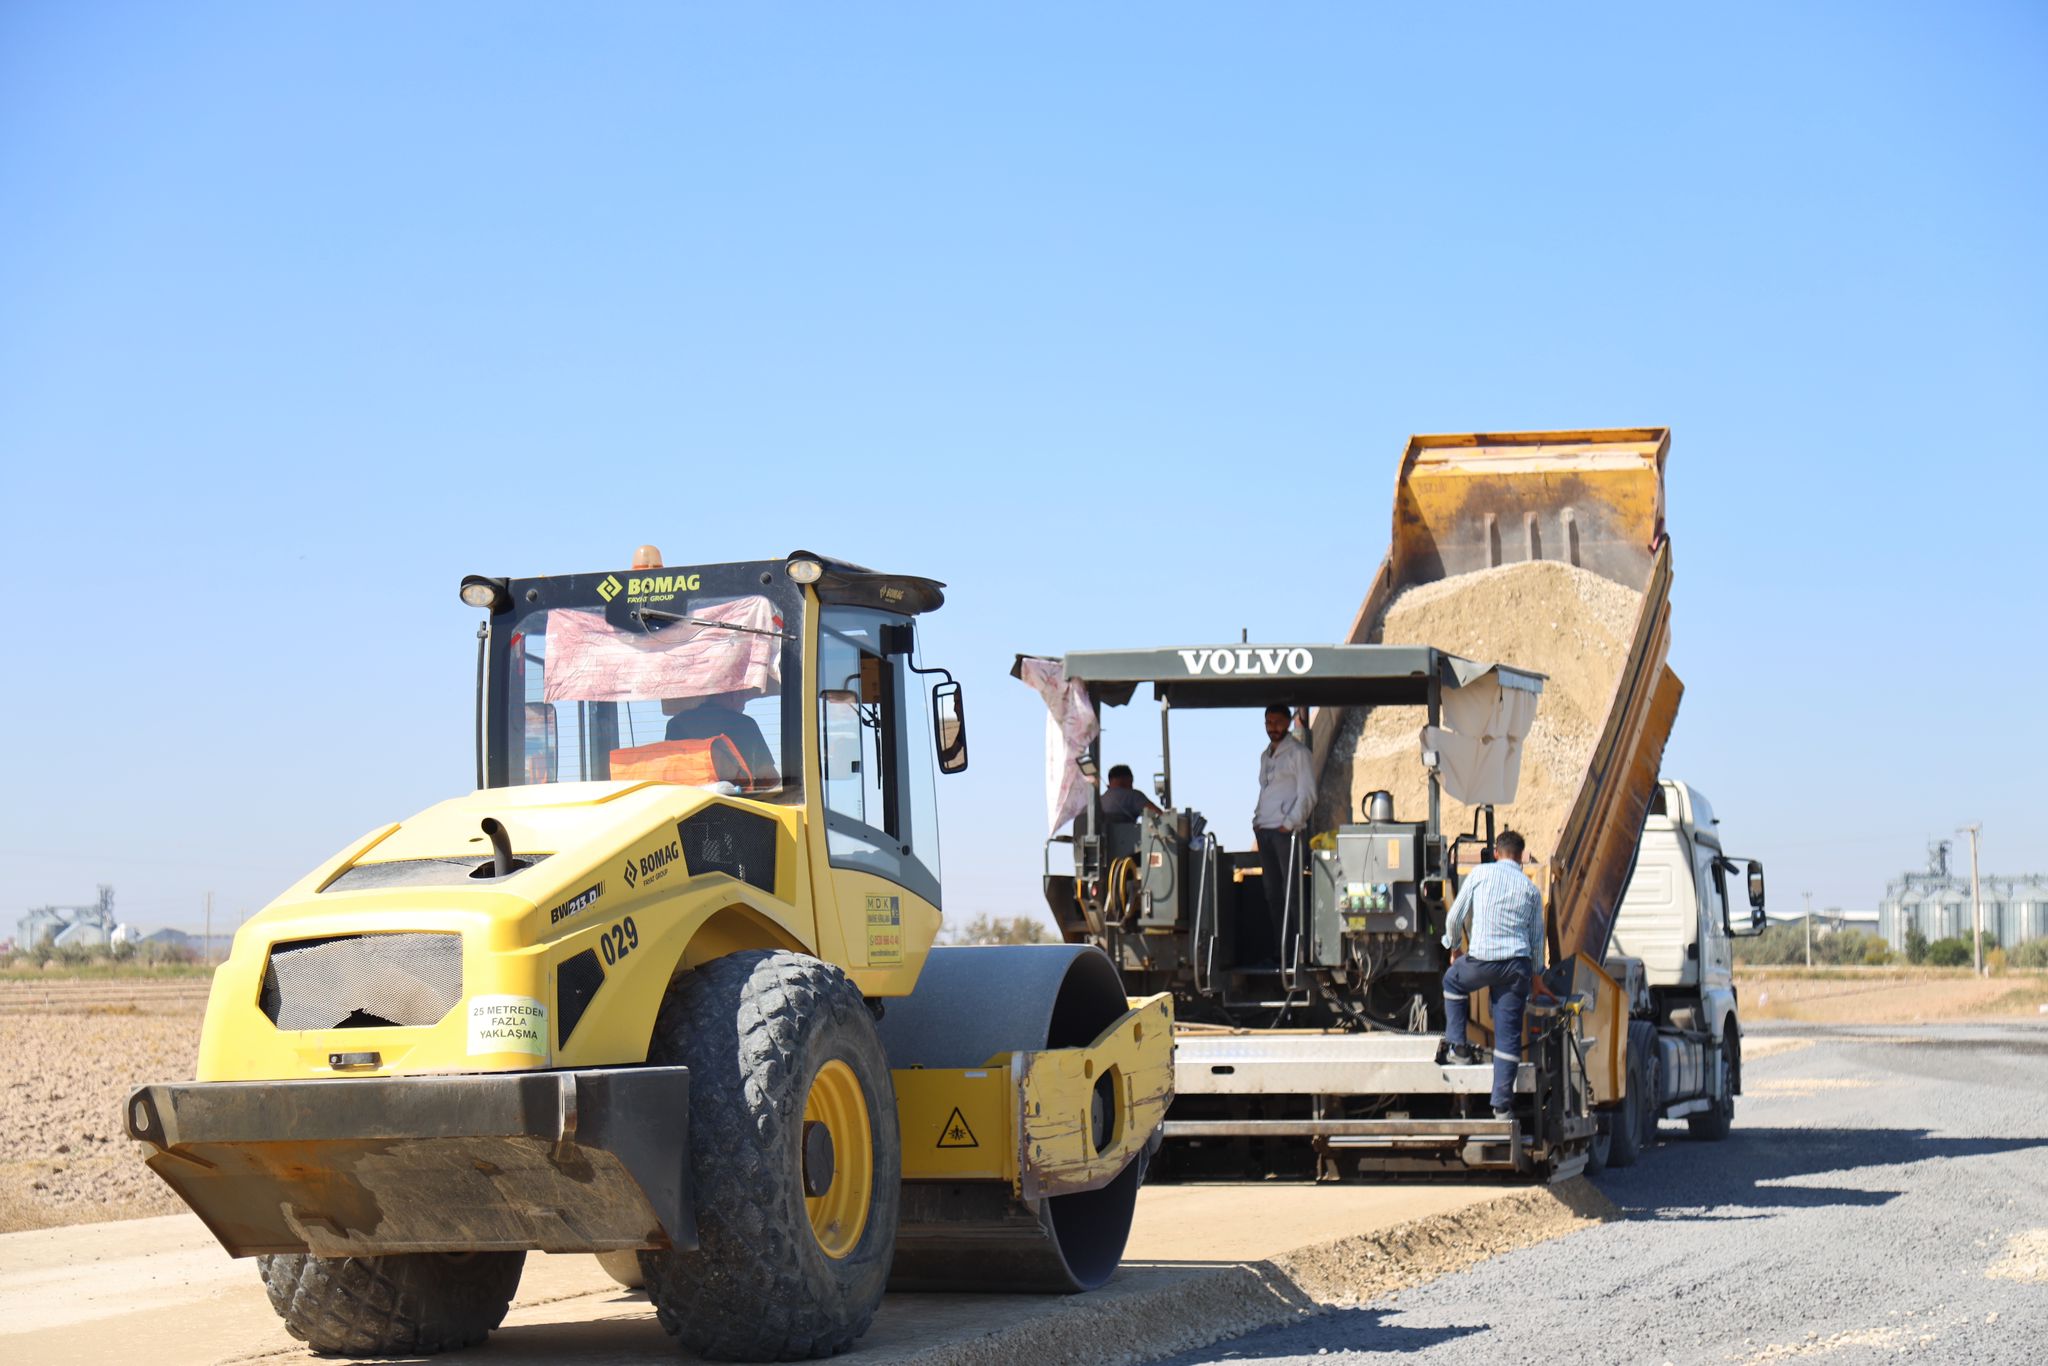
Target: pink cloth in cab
(590,660)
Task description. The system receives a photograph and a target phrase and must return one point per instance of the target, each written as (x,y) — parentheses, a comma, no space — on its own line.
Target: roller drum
(971,1005)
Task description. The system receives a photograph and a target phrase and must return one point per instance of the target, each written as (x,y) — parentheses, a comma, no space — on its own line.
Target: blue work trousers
(1508,980)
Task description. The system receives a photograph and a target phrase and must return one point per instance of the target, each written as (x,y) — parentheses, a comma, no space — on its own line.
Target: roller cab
(664,981)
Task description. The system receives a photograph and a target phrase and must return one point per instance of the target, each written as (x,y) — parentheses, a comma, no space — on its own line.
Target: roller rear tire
(407,1305)
(795,1163)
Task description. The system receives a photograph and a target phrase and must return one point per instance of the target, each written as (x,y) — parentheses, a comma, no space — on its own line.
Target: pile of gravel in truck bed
(1568,623)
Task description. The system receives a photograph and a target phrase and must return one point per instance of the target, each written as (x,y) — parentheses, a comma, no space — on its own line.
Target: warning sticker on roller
(956,1134)
(507,1024)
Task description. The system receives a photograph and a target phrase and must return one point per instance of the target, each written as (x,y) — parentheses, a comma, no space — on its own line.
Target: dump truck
(1310,1020)
(664,988)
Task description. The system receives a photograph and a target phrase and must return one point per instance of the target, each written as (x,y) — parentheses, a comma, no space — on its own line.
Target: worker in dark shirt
(1120,800)
(721,714)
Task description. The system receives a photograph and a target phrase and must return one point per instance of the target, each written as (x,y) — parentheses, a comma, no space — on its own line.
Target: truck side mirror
(1756,893)
(949,726)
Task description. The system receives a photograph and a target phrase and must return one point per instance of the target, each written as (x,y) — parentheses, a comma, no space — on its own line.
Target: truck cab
(1686,903)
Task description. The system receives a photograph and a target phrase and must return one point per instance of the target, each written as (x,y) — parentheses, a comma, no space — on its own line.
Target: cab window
(878,817)
(698,701)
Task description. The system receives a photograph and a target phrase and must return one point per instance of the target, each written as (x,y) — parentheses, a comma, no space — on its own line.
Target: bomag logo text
(652,585)
(1248,659)
(654,864)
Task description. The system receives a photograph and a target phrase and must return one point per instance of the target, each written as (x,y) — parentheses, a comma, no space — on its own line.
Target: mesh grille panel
(725,839)
(363,980)
(576,981)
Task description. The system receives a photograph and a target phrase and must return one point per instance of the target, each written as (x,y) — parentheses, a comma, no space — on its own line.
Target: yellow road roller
(663,988)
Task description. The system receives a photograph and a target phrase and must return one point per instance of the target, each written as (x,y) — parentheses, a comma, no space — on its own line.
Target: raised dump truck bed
(1586,501)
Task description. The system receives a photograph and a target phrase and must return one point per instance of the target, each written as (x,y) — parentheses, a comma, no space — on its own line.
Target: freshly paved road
(1884,1197)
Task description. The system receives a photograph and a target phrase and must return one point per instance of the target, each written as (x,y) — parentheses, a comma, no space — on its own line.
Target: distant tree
(1776,946)
(2032,953)
(1916,946)
(1948,953)
(1850,947)
(1012,929)
(1876,953)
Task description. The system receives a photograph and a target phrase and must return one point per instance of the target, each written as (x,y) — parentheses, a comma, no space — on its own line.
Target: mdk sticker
(885,931)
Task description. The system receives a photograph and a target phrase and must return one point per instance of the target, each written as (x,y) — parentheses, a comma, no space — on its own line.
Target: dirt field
(70,1052)
(1887,995)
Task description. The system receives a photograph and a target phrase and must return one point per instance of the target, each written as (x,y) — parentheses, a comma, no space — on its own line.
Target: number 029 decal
(618,941)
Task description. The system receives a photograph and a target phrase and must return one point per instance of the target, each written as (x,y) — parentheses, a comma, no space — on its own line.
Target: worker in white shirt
(1287,793)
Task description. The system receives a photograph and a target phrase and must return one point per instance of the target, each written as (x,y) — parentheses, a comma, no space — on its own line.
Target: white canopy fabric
(590,660)
(1479,746)
(1070,727)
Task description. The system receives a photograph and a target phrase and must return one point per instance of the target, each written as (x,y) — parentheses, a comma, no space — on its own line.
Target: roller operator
(721,716)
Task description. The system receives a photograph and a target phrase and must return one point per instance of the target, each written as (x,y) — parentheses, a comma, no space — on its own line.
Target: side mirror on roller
(949,726)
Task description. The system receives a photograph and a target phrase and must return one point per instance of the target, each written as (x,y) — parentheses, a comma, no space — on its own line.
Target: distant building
(85,926)
(1833,918)
(1937,901)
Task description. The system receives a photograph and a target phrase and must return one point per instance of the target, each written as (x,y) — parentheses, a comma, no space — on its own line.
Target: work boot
(1457,1054)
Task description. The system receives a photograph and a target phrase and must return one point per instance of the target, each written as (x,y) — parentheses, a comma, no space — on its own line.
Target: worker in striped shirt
(1495,936)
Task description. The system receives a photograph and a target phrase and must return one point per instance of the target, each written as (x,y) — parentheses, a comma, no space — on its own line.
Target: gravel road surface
(1884,1197)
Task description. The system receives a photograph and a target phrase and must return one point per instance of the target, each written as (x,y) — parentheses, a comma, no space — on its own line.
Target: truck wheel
(404,1305)
(1713,1124)
(1600,1147)
(1653,1071)
(1629,1121)
(794,1160)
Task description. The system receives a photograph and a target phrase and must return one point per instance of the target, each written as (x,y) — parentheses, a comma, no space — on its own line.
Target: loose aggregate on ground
(1884,1197)
(1568,623)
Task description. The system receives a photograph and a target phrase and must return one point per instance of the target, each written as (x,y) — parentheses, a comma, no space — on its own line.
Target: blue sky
(1114,318)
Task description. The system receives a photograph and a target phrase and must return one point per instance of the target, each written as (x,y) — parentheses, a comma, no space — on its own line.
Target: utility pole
(209,929)
(1976,901)
(1809,927)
